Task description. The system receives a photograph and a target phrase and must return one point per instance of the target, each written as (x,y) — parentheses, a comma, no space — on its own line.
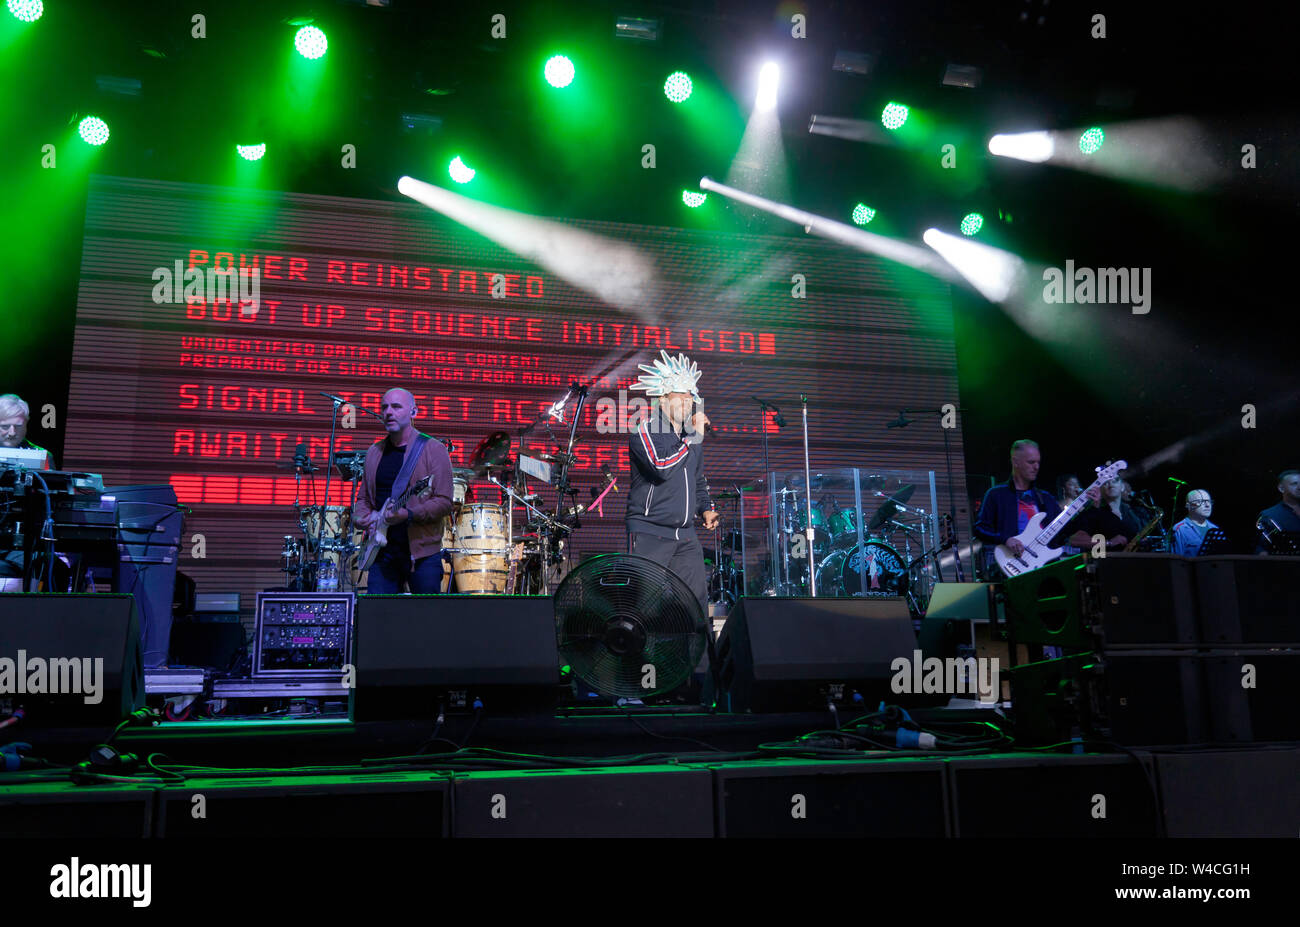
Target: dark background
(1222,328)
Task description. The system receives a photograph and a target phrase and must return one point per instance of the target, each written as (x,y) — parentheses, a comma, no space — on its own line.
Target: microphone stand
(773,532)
(808,530)
(338,401)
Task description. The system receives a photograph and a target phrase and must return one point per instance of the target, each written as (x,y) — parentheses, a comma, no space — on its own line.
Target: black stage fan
(618,613)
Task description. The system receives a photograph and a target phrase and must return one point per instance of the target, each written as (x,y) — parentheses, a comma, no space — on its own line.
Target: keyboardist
(14,414)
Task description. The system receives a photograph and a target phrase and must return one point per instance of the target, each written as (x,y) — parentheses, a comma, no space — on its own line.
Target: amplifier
(302,634)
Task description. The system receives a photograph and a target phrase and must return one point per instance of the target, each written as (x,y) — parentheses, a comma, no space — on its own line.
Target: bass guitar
(1037,536)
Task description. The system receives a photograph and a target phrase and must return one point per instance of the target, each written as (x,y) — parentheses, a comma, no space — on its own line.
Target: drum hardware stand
(950,542)
(809,531)
(952,505)
(549,525)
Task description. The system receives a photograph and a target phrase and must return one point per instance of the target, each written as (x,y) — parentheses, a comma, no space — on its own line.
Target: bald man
(397,461)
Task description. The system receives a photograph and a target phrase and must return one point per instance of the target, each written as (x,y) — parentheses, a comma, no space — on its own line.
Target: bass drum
(884,576)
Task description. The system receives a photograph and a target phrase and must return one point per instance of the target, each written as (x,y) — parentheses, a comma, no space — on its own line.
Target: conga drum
(479,557)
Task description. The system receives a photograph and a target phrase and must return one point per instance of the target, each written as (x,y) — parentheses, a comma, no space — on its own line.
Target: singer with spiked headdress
(669,488)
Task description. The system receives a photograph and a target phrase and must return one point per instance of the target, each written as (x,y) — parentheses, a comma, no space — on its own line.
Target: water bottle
(329,577)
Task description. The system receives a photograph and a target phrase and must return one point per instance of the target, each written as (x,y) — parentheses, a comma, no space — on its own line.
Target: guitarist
(1007,508)
(413,554)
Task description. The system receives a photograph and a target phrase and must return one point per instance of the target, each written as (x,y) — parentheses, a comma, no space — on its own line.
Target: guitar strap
(408,465)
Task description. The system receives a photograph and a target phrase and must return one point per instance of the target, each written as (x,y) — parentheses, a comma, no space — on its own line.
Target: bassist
(1008,507)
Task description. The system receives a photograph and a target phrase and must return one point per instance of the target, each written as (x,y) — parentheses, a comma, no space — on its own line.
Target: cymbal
(888,509)
(557,457)
(493,451)
(462,473)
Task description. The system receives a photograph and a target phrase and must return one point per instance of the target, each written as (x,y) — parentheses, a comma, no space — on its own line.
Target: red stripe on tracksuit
(660,462)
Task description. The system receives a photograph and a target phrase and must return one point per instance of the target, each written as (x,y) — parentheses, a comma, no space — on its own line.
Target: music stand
(1215,542)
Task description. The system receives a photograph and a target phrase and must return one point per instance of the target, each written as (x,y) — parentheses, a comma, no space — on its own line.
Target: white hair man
(14,414)
(668,484)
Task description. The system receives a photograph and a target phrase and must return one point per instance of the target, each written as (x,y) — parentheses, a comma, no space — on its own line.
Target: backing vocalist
(668,483)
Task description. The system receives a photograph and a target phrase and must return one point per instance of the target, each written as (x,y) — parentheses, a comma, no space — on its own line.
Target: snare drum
(479,557)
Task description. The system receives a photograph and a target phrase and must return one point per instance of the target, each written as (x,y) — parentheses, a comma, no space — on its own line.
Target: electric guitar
(377,537)
(1037,536)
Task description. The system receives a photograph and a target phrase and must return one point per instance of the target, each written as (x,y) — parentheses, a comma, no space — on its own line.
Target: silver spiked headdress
(669,375)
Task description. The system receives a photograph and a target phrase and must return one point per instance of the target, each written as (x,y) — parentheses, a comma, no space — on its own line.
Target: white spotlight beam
(900,251)
(1175,152)
(613,271)
(992,271)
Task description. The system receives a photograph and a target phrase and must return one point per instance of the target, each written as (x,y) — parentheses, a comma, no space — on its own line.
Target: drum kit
(876,562)
(484,551)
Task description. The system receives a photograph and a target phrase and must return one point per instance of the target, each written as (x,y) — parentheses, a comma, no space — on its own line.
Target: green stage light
(894,115)
(1090,142)
(559,71)
(678,86)
(862,214)
(693,198)
(972,224)
(311,42)
(94,131)
(27,10)
(251,152)
(460,171)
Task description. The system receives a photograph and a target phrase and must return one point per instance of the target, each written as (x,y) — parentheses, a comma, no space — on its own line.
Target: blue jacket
(1188,538)
(668,484)
(999,514)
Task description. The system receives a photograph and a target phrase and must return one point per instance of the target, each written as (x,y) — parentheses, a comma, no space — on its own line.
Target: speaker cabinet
(413,653)
(796,654)
(83,651)
(1132,599)
(1249,600)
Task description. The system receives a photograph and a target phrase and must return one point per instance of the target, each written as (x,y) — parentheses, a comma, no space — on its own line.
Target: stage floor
(606,772)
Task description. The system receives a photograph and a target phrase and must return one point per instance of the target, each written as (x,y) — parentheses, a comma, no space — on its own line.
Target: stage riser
(1238,794)
(647,804)
(1052,797)
(843,800)
(1242,793)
